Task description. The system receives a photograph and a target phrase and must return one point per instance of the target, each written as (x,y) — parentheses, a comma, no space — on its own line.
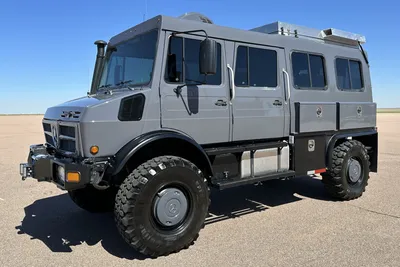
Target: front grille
(67,145)
(49,139)
(46,127)
(67,131)
(61,136)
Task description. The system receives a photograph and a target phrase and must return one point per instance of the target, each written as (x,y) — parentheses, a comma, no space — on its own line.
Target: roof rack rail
(331,34)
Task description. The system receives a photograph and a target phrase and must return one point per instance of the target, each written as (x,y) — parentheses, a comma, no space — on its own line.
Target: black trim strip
(346,132)
(297,117)
(337,116)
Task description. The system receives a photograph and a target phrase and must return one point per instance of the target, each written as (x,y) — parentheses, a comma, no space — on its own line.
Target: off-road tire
(94,200)
(336,180)
(134,205)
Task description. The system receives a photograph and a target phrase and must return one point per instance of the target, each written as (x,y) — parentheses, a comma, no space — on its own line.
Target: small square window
(348,74)
(308,70)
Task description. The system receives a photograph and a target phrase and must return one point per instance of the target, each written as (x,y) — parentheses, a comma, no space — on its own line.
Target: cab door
(190,102)
(259,104)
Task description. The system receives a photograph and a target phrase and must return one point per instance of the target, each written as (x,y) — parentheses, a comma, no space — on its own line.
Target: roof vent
(196,17)
(343,37)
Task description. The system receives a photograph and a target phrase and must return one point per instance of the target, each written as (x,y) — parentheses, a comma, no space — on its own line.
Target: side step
(234,182)
(241,148)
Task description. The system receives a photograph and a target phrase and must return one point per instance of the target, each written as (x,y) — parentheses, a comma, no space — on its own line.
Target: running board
(234,182)
(241,148)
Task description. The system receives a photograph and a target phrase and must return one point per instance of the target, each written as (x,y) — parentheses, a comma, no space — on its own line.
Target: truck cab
(180,105)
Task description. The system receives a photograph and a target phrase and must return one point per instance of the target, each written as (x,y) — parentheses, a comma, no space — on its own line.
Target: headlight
(61,173)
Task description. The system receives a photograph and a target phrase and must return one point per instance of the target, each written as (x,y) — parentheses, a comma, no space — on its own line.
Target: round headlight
(61,173)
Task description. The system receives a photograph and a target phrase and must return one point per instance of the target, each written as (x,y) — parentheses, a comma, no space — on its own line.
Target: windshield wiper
(106,85)
(123,82)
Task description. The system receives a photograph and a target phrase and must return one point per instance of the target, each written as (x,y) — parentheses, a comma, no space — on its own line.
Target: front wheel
(348,175)
(162,205)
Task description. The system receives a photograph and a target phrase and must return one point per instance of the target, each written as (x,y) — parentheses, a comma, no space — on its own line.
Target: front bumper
(63,172)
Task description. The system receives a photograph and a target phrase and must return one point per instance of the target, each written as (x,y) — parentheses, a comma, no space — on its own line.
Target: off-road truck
(179,105)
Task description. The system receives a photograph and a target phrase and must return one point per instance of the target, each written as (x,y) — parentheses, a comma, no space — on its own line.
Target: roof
(266,34)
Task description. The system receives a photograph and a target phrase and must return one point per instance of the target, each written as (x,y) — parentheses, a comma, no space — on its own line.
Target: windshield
(130,62)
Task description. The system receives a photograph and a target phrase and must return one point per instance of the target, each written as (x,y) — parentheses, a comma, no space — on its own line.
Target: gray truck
(179,105)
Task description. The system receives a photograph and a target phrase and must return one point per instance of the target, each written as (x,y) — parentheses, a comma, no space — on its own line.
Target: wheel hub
(354,170)
(170,206)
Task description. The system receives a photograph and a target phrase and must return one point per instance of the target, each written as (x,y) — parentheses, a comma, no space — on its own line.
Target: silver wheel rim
(170,206)
(354,170)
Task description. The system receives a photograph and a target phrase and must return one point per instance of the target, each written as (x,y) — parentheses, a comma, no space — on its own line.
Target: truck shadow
(60,225)
(239,201)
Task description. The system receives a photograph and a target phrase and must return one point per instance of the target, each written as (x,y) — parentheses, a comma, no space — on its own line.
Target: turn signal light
(73,177)
(94,150)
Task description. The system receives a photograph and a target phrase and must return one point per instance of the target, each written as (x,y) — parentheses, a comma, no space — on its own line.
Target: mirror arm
(178,89)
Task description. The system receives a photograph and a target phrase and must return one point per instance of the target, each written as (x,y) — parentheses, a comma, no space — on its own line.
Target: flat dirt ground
(281,223)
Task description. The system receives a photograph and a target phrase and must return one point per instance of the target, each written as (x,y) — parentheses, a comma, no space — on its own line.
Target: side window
(301,74)
(174,71)
(241,70)
(348,74)
(183,63)
(343,74)
(256,67)
(308,71)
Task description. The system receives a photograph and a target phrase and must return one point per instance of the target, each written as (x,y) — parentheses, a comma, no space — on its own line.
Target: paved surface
(282,223)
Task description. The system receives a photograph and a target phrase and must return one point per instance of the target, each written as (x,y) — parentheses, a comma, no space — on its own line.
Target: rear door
(259,104)
(201,111)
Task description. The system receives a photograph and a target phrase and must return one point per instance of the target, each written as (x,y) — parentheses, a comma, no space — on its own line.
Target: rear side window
(348,74)
(256,67)
(308,71)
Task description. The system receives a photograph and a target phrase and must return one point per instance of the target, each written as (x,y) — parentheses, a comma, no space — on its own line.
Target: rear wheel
(348,175)
(94,200)
(162,205)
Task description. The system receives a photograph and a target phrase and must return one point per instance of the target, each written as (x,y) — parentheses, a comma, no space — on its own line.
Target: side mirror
(208,57)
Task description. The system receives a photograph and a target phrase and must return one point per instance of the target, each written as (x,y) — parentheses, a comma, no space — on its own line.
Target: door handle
(220,102)
(277,103)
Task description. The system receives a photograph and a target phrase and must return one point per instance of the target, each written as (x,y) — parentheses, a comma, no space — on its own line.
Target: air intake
(196,17)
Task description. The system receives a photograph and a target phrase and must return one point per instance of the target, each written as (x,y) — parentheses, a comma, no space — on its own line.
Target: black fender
(367,137)
(128,150)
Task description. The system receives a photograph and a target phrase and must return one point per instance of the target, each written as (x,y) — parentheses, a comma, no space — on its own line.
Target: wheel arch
(159,143)
(369,138)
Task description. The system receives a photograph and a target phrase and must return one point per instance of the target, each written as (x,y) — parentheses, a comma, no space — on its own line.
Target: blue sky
(47,52)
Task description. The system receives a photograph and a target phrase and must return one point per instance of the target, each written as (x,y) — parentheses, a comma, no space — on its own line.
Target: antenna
(145,12)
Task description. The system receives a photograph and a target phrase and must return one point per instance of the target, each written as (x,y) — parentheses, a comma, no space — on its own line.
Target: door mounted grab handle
(277,103)
(287,84)
(220,102)
(232,82)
